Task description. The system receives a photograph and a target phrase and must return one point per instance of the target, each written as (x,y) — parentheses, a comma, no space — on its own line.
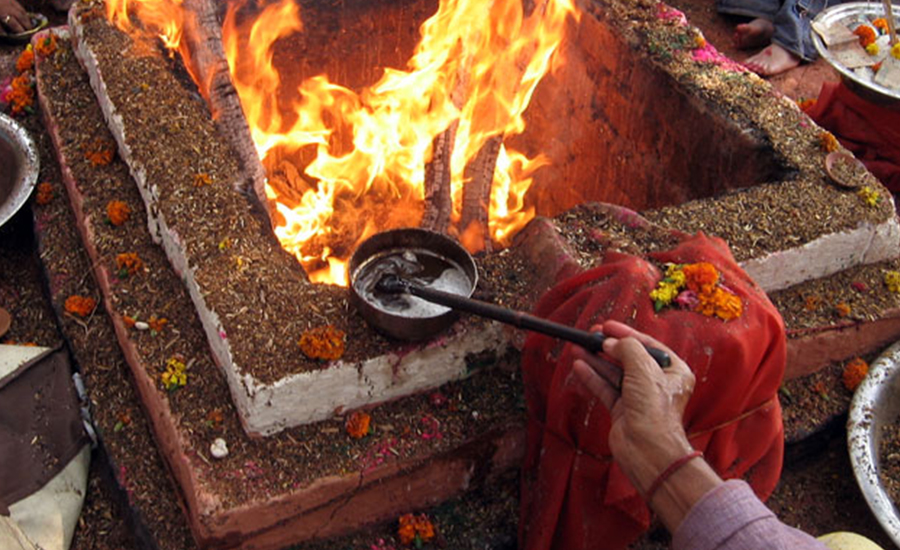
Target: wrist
(644,460)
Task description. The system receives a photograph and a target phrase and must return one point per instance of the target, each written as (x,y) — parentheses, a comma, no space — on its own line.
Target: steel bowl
(851,12)
(875,404)
(19,163)
(397,325)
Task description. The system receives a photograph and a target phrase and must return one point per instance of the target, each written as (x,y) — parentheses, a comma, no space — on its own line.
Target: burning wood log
(203,39)
(479,174)
(438,201)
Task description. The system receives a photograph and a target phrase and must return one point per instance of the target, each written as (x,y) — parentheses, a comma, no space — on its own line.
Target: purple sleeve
(730,517)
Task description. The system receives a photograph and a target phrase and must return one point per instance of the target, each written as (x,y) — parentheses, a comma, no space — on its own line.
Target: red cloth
(870,131)
(573,495)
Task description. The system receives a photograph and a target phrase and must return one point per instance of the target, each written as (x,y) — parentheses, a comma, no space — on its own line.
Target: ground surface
(817,491)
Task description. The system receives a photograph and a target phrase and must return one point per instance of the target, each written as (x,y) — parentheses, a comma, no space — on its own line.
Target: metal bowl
(19,162)
(380,245)
(875,404)
(852,12)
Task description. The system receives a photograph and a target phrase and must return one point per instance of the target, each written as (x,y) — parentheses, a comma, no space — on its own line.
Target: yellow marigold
(117,212)
(699,41)
(828,142)
(854,372)
(415,529)
(25,62)
(872,49)
(892,281)
(866,35)
(44,194)
(664,294)
(881,24)
(325,343)
(128,263)
(870,196)
(47,46)
(358,424)
(175,375)
(895,51)
(80,305)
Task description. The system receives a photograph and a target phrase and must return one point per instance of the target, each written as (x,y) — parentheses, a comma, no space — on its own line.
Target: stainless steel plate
(851,14)
(19,163)
(876,403)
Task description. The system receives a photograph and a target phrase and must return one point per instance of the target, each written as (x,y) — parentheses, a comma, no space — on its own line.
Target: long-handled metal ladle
(591,341)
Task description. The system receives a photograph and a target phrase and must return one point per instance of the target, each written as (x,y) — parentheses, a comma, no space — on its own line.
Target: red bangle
(672,468)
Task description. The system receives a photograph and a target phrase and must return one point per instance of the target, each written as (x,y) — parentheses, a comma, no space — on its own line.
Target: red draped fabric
(870,131)
(573,495)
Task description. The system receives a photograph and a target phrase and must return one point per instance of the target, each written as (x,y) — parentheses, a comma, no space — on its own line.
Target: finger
(606,370)
(17,23)
(595,383)
(621,330)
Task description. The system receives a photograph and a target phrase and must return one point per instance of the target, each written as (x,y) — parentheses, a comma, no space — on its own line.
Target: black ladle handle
(591,341)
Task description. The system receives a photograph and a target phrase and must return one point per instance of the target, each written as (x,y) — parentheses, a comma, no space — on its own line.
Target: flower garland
(697,287)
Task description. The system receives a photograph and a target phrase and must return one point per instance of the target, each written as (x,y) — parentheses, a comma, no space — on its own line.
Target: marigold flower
(663,294)
(117,212)
(828,142)
(175,375)
(870,196)
(44,194)
(129,321)
(99,152)
(358,424)
(842,309)
(47,46)
(80,305)
(866,35)
(721,303)
(895,51)
(872,49)
(325,343)
(25,62)
(416,529)
(21,94)
(157,324)
(812,302)
(202,179)
(854,372)
(128,263)
(881,24)
(704,292)
(806,104)
(700,276)
(892,281)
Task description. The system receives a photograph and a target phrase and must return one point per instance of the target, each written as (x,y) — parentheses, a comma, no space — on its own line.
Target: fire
(345,164)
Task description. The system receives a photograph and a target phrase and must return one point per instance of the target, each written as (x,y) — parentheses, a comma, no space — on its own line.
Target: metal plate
(40,22)
(20,163)
(851,14)
(876,403)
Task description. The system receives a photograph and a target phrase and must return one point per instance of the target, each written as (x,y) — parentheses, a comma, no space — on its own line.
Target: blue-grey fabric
(792,20)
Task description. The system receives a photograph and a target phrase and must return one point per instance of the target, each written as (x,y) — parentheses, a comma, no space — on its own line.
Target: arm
(13,17)
(647,436)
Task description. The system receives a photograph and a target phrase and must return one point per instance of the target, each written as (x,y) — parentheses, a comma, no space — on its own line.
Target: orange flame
(476,67)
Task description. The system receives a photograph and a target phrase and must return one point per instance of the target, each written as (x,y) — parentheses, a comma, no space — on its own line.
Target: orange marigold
(25,61)
(701,276)
(828,142)
(44,194)
(129,321)
(46,46)
(881,24)
(812,302)
(202,179)
(842,309)
(866,34)
(326,343)
(99,152)
(806,103)
(413,528)
(854,372)
(358,424)
(157,324)
(128,263)
(720,303)
(21,95)
(117,212)
(80,305)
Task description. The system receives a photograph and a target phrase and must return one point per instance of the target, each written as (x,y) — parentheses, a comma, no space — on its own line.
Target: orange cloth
(573,494)
(870,131)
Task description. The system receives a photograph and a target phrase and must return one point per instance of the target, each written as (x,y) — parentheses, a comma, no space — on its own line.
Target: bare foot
(771,61)
(754,34)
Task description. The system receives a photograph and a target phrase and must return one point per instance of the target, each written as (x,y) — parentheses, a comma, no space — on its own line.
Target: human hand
(13,17)
(646,406)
